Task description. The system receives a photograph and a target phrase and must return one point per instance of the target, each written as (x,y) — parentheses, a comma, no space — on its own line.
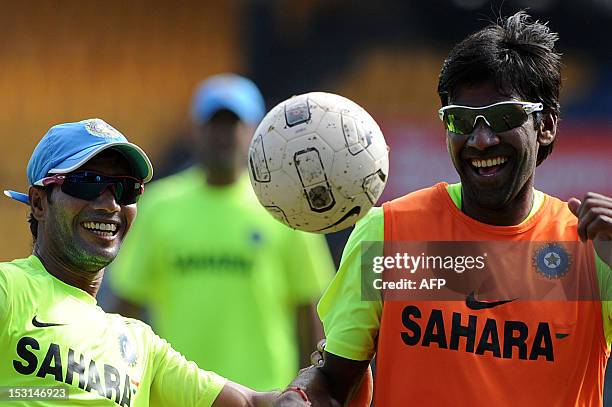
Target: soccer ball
(318,162)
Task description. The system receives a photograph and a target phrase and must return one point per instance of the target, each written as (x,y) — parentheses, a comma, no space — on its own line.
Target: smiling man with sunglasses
(499,90)
(59,347)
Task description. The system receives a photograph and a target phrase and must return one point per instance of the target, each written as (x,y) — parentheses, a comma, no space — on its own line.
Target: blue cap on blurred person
(68,146)
(228,92)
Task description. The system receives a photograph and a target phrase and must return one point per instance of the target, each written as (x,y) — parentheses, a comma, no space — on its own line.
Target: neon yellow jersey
(221,278)
(52,333)
(351,325)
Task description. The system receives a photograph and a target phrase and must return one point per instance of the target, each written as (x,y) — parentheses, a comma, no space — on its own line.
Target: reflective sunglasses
(500,117)
(89,185)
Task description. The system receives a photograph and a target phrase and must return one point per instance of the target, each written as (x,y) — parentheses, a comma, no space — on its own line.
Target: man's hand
(316,385)
(236,395)
(594,215)
(362,396)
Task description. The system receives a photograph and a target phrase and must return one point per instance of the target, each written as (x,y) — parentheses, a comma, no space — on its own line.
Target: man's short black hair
(517,55)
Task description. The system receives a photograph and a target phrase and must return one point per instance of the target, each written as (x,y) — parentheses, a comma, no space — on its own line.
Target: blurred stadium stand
(134,64)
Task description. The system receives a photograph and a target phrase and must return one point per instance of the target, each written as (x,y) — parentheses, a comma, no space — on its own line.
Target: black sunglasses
(89,185)
(500,117)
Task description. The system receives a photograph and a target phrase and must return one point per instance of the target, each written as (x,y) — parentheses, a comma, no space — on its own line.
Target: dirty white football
(318,162)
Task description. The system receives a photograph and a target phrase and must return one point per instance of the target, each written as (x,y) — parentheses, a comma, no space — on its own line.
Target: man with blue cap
(224,282)
(57,344)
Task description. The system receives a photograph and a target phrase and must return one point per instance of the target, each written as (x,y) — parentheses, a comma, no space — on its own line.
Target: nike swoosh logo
(472,303)
(39,324)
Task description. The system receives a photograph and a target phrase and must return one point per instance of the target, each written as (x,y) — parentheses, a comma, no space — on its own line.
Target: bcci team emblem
(99,128)
(552,260)
(128,350)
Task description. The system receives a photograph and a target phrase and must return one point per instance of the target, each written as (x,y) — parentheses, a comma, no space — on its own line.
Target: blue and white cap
(68,146)
(228,91)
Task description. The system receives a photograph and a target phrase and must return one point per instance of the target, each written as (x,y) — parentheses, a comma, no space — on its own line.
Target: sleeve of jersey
(180,383)
(351,324)
(131,274)
(310,266)
(604,276)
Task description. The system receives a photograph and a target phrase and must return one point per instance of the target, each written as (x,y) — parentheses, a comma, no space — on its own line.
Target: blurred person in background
(499,90)
(226,284)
